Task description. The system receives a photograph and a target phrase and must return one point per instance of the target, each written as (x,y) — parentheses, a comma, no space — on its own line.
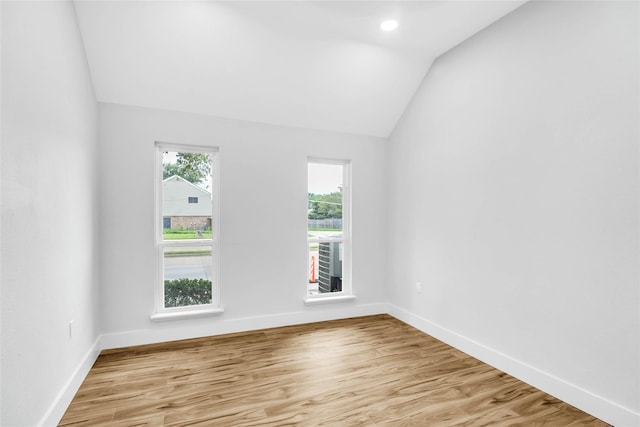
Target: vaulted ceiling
(314,64)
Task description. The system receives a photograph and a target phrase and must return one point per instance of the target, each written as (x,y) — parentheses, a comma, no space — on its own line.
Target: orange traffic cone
(312,279)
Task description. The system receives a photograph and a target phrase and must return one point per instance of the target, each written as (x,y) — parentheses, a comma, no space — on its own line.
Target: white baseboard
(185,329)
(57,409)
(591,403)
(596,405)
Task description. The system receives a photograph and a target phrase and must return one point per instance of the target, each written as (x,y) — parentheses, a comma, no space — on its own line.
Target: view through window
(327,230)
(187,235)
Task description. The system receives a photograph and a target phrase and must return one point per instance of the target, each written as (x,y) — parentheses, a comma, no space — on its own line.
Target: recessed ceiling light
(389,25)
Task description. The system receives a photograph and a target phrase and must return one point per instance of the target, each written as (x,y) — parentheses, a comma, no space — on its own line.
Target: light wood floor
(365,371)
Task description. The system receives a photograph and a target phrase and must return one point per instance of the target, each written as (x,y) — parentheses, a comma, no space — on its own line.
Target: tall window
(186,228)
(328,228)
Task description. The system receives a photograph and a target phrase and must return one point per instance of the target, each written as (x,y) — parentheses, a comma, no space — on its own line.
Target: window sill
(187,314)
(328,299)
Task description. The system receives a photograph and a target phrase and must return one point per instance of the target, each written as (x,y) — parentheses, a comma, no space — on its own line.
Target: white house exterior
(185,205)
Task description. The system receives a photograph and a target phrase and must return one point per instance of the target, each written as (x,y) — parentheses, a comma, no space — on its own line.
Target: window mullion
(203,242)
(323,240)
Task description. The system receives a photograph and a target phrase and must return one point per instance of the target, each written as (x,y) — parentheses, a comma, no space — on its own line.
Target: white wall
(49,208)
(514,200)
(263,263)
(513,197)
(0,216)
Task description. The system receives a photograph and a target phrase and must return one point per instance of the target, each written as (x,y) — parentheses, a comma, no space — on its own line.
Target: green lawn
(187,252)
(169,234)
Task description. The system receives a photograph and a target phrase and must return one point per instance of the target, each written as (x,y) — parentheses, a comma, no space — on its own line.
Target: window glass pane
(325,267)
(188,274)
(186,195)
(313,268)
(325,200)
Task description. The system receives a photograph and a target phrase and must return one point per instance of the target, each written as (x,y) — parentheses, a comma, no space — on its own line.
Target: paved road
(190,267)
(187,271)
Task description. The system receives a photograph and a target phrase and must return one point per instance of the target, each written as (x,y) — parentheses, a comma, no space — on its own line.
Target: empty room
(337,213)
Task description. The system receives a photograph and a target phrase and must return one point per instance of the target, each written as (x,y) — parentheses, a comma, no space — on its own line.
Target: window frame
(167,313)
(346,293)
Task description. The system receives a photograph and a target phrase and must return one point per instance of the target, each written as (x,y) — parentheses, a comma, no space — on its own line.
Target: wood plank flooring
(370,371)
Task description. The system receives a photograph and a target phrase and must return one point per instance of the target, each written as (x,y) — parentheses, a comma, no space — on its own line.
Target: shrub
(184,292)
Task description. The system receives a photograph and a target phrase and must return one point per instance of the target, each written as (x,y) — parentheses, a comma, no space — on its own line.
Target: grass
(176,234)
(188,252)
(324,229)
(170,234)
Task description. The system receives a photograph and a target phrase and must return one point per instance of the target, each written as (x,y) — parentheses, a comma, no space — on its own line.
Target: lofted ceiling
(313,64)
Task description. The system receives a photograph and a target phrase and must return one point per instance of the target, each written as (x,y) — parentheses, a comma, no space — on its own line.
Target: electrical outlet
(419,287)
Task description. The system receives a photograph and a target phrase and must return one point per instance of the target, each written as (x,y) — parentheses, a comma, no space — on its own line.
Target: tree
(324,206)
(194,167)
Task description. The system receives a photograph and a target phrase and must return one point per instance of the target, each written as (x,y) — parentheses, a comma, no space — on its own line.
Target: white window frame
(347,287)
(168,313)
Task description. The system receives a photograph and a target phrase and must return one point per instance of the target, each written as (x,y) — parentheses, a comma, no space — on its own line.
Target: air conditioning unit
(329,267)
